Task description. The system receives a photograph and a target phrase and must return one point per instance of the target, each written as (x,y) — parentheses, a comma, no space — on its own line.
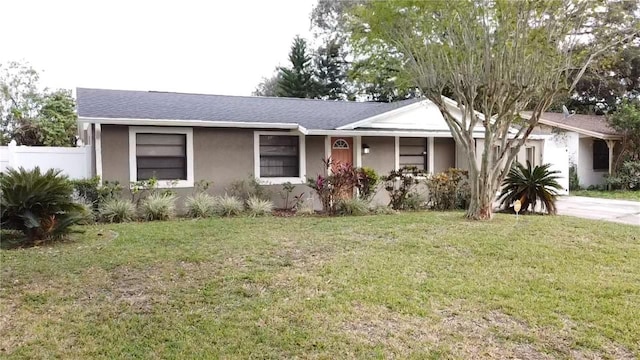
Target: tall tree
(268,86)
(32,116)
(495,56)
(297,80)
(331,71)
(374,75)
(626,120)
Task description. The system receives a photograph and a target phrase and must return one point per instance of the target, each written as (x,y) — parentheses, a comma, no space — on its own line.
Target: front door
(342,150)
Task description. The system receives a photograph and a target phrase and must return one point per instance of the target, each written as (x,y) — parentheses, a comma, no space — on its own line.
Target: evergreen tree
(331,72)
(297,80)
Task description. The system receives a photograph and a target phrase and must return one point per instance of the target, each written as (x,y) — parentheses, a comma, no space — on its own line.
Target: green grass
(417,285)
(614,194)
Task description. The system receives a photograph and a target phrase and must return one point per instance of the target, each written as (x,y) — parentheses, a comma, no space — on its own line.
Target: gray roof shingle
(311,114)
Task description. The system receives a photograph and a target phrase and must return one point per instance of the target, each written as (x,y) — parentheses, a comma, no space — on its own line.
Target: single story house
(592,145)
(183,138)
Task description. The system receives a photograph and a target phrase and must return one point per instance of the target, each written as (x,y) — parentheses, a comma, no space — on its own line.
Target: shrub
(259,207)
(287,194)
(39,205)
(627,177)
(109,190)
(117,211)
(248,188)
(449,190)
(355,207)
(228,206)
(574,181)
(368,179)
(158,207)
(530,185)
(339,185)
(200,205)
(87,189)
(401,184)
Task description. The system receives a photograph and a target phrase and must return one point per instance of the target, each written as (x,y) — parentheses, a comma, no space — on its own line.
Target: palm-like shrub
(530,186)
(158,207)
(40,205)
(200,205)
(259,207)
(353,206)
(117,210)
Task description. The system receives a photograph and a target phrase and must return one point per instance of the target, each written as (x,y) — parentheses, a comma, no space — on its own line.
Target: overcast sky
(216,46)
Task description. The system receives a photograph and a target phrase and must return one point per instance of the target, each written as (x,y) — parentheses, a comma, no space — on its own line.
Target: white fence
(74,162)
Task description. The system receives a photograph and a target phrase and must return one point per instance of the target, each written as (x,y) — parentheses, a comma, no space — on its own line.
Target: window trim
(302,163)
(133,166)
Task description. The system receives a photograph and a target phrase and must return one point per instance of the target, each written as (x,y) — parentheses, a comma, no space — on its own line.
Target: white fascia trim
(133,176)
(402,133)
(302,153)
(382,116)
(578,130)
(190,123)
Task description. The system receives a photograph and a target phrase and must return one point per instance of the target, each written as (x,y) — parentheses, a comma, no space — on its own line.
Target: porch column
(98,144)
(397,153)
(431,157)
(611,145)
(327,151)
(358,151)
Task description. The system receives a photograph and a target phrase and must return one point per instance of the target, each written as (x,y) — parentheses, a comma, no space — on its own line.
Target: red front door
(342,150)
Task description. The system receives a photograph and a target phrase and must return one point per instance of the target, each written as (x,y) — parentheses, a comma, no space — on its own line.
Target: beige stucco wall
(444,152)
(115,153)
(220,156)
(381,157)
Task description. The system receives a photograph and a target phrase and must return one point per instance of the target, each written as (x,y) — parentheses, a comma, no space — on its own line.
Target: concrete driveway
(621,211)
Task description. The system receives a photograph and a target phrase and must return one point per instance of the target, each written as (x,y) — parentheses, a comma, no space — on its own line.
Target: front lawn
(614,194)
(422,285)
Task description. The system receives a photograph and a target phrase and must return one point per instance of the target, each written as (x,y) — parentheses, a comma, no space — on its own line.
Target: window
(163,156)
(340,144)
(531,155)
(600,155)
(413,152)
(279,157)
(161,152)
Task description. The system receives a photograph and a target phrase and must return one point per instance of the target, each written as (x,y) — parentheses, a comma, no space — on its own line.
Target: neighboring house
(190,137)
(591,143)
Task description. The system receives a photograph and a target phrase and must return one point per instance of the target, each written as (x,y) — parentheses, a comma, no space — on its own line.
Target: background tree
(32,116)
(495,57)
(331,71)
(268,86)
(626,120)
(297,80)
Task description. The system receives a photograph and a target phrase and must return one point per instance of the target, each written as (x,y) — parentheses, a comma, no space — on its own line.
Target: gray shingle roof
(311,114)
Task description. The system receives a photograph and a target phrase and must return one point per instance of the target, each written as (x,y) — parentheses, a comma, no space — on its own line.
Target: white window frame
(302,153)
(133,166)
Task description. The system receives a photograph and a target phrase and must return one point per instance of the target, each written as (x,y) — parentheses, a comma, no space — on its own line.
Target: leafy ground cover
(614,194)
(421,285)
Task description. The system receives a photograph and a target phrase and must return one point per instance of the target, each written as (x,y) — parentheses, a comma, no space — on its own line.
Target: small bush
(87,189)
(449,190)
(200,205)
(117,211)
(627,177)
(401,186)
(248,188)
(259,207)
(158,207)
(38,204)
(228,206)
(574,181)
(352,207)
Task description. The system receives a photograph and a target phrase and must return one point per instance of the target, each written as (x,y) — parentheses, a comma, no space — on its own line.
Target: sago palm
(530,186)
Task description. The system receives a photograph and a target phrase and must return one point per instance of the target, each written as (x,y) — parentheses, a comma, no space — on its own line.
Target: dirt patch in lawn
(467,335)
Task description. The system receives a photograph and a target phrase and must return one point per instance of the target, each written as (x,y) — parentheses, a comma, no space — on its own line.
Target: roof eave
(187,122)
(591,133)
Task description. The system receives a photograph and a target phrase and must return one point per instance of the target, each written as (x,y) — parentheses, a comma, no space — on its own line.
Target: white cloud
(219,47)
